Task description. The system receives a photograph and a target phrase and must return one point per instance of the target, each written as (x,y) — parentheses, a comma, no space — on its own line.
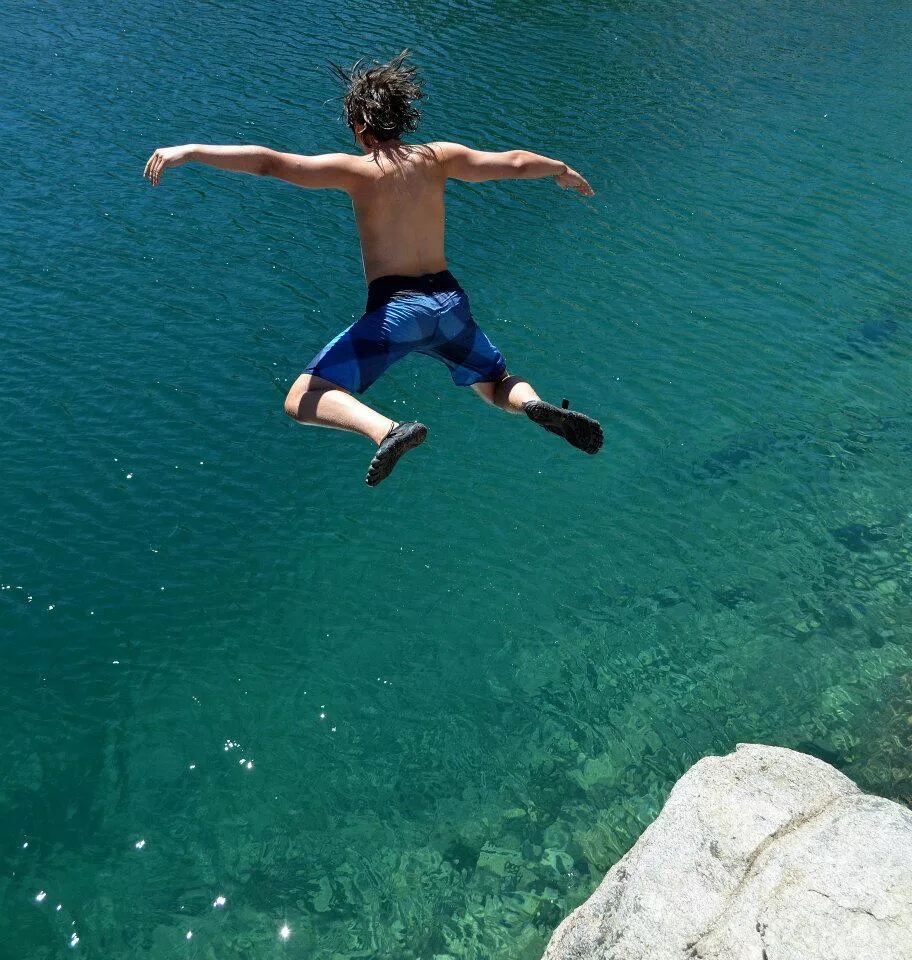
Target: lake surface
(421,721)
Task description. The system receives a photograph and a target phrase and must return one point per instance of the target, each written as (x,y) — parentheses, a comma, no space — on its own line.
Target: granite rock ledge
(763,854)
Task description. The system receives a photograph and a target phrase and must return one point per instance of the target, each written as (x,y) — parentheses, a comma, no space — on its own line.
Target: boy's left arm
(330,170)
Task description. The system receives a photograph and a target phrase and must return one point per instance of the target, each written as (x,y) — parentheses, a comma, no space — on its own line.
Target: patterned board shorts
(428,314)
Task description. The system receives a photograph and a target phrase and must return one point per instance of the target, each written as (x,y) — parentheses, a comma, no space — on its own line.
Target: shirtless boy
(413,302)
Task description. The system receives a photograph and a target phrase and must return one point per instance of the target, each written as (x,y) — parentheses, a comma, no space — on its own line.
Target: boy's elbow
(518,161)
(266,163)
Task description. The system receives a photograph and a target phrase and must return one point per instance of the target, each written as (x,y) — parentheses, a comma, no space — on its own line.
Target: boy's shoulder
(444,147)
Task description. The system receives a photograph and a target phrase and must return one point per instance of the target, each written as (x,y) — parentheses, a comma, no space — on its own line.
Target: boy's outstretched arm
(476,166)
(242,159)
(331,170)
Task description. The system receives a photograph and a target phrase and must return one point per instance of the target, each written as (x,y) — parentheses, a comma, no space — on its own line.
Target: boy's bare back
(397,195)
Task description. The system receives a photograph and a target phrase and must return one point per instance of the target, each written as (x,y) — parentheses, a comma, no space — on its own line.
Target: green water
(421,721)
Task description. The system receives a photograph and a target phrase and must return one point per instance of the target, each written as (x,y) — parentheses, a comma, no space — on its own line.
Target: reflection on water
(254,709)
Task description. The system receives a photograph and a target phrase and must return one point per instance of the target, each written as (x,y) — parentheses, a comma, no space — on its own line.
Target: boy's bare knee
(295,395)
(301,400)
(293,403)
(486,390)
(504,388)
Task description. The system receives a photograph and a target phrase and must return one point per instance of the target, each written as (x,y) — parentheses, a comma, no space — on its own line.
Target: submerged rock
(764,854)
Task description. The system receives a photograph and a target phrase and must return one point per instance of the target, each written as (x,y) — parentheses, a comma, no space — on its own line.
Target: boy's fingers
(150,165)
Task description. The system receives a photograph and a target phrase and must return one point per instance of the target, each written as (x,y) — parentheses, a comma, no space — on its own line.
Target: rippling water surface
(421,721)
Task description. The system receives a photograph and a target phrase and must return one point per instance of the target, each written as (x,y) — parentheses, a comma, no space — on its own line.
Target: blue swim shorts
(428,314)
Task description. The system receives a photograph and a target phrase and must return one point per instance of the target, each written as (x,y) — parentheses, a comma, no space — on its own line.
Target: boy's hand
(163,158)
(571,180)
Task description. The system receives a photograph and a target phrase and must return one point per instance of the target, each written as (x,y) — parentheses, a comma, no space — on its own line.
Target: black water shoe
(577,429)
(401,438)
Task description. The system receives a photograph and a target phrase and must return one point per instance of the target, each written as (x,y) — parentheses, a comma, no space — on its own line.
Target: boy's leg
(515,395)
(509,394)
(319,402)
(315,401)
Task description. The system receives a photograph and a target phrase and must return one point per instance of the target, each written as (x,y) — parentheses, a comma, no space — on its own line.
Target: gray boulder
(764,854)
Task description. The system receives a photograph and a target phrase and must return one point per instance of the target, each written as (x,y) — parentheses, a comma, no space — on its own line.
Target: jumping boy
(413,302)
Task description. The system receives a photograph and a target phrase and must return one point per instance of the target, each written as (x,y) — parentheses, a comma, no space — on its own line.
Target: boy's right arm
(329,170)
(476,166)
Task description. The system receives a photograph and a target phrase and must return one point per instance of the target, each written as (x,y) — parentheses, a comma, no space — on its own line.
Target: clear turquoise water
(463,694)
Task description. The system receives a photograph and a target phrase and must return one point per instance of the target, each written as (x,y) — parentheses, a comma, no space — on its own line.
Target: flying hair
(381,97)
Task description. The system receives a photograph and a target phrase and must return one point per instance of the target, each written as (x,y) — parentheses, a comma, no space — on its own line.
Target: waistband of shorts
(383,289)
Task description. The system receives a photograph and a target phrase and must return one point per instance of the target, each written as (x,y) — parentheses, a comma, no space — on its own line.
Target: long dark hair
(381,97)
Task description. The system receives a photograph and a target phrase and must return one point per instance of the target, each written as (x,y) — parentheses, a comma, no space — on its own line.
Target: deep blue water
(421,721)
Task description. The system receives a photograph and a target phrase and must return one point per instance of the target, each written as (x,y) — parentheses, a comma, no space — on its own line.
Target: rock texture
(764,854)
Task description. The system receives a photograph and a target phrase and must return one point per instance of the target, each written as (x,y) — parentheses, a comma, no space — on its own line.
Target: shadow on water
(739,455)
(872,335)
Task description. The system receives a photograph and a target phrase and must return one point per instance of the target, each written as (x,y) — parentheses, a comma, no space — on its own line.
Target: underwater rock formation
(763,854)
